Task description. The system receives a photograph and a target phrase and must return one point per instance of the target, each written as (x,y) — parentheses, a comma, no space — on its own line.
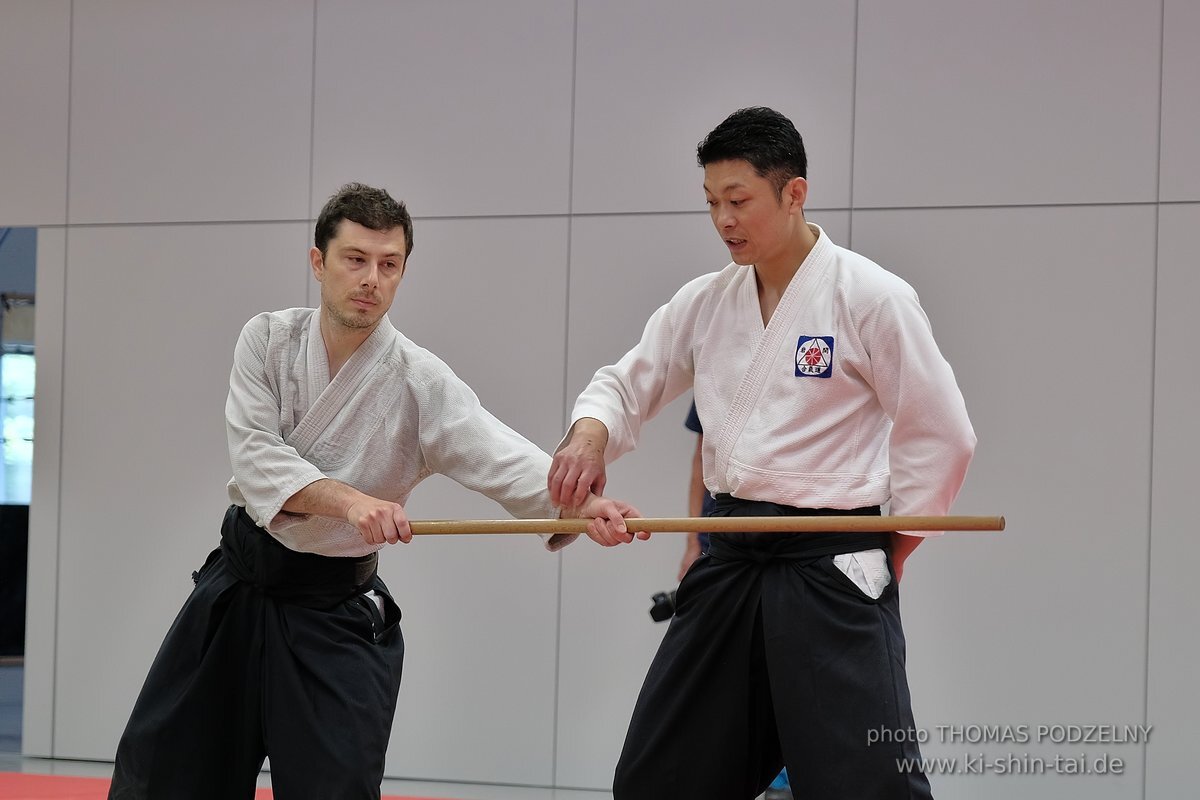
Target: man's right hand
(379,521)
(578,466)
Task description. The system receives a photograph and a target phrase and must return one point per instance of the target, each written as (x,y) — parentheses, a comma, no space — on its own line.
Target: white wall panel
(41,601)
(1047,318)
(152,317)
(460,108)
(622,269)
(1180,164)
(35,62)
(1173,703)
(480,626)
(1023,102)
(653,78)
(480,614)
(190,111)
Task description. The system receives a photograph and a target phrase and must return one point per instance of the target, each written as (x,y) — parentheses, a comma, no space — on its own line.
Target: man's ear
(795,192)
(318,263)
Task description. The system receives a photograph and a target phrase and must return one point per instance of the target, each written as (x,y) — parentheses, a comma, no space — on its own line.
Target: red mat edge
(35,786)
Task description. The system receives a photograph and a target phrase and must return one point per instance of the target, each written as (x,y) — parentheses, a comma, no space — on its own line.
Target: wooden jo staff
(839,524)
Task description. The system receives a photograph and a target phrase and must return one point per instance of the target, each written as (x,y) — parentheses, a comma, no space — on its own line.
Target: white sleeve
(463,441)
(932,440)
(659,368)
(267,471)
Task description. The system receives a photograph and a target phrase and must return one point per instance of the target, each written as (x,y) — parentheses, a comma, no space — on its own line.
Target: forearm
(627,394)
(696,488)
(377,521)
(324,498)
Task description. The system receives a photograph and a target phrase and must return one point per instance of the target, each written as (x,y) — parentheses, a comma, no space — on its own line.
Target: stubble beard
(355,321)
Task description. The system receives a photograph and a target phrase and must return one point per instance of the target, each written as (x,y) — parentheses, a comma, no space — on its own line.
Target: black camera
(664,606)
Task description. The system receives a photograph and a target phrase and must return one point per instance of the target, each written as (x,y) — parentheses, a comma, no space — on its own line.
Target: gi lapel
(334,394)
(758,374)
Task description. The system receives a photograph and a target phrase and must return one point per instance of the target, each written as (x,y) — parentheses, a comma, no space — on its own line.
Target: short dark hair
(761,136)
(372,208)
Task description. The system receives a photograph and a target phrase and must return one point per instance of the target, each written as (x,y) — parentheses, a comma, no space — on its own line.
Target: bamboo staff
(838,524)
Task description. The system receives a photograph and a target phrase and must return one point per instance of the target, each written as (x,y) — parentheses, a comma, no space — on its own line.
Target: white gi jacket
(393,415)
(842,401)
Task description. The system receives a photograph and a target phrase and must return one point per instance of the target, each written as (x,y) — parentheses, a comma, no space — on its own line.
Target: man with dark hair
(821,391)
(289,646)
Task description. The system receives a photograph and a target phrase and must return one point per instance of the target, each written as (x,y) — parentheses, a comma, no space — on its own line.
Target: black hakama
(275,654)
(775,657)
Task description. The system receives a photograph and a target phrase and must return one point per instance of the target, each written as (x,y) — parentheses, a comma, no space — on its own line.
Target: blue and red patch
(814,357)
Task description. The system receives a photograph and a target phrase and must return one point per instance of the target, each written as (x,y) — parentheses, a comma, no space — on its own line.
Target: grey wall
(1029,166)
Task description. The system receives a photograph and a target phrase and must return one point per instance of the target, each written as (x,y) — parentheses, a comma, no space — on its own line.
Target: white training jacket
(842,401)
(393,415)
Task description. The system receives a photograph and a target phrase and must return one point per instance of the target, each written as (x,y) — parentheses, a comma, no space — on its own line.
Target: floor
(10,762)
(11,687)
